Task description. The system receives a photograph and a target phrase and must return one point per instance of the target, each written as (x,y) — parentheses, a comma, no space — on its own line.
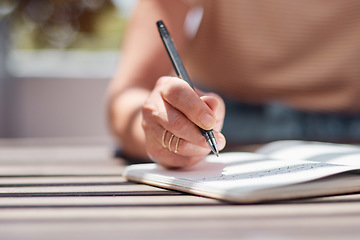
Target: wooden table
(74,190)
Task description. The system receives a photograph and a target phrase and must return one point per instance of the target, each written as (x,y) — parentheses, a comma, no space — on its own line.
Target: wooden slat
(79,189)
(66,191)
(59,170)
(183,229)
(60,181)
(55,150)
(65,154)
(115,190)
(118,202)
(221,211)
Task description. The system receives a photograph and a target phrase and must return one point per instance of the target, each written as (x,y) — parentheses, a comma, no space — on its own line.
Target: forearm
(143,61)
(125,120)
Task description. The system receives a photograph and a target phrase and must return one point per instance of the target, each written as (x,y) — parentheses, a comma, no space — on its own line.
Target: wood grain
(80,194)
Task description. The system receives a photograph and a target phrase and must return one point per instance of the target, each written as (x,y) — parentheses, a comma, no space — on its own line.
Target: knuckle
(146,110)
(145,118)
(162,80)
(149,113)
(165,82)
(174,92)
(147,107)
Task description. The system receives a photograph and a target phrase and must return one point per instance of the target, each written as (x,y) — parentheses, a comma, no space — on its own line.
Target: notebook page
(313,151)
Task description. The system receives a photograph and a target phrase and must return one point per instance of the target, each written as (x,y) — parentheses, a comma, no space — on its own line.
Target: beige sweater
(303,53)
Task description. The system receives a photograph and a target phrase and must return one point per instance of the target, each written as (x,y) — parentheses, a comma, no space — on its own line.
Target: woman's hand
(172,115)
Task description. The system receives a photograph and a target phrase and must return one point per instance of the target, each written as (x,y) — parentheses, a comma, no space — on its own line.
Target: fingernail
(207,120)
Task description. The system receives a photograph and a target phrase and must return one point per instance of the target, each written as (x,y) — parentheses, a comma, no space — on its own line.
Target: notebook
(280,170)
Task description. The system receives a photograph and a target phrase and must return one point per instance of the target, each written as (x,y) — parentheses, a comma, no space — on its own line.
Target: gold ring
(163,138)
(169,145)
(177,144)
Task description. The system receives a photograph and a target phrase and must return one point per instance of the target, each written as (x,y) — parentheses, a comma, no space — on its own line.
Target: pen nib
(213,147)
(210,139)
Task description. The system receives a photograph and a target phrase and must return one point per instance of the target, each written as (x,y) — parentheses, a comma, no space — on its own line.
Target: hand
(172,115)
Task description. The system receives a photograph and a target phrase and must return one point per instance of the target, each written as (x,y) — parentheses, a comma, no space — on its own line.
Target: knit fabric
(304,54)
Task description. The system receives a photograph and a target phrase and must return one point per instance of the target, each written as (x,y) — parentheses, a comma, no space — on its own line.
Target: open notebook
(277,171)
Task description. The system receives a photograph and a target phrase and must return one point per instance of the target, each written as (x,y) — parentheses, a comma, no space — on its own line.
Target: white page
(314,151)
(235,174)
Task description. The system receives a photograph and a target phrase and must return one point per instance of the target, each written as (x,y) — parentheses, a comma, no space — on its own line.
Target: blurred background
(56,60)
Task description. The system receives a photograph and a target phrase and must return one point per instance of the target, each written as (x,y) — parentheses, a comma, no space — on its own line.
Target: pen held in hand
(181,73)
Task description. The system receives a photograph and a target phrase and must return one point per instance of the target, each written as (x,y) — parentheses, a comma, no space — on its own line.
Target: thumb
(217,105)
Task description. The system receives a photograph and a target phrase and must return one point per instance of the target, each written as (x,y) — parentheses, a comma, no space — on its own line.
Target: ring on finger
(177,145)
(163,138)
(169,144)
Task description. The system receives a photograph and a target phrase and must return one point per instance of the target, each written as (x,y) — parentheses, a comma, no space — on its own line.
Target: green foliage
(66,24)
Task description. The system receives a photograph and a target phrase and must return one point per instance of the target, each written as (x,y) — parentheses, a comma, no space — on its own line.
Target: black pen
(181,73)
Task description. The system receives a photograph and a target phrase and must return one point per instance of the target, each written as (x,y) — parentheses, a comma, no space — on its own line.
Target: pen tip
(215,151)
(213,146)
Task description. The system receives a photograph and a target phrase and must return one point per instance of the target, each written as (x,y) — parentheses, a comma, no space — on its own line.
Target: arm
(142,104)
(137,73)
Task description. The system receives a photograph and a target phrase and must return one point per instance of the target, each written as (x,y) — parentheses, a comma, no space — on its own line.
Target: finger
(178,124)
(220,139)
(186,148)
(181,96)
(216,103)
(161,140)
(161,148)
(171,159)
(182,127)
(158,111)
(188,139)
(167,158)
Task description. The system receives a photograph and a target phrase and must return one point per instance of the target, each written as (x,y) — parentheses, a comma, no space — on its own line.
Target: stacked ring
(168,146)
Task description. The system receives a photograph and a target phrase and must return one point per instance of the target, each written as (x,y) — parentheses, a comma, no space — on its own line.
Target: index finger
(181,96)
